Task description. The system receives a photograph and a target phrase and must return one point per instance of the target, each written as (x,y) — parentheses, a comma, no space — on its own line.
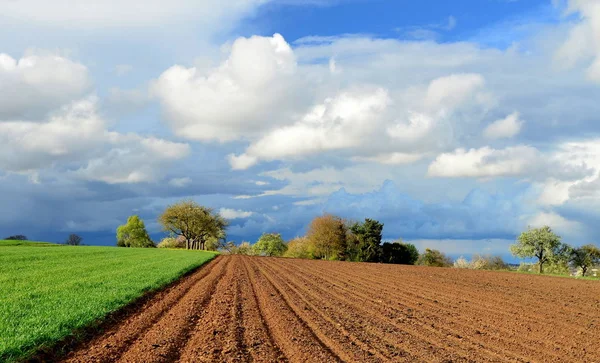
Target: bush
(171,242)
(298,248)
(462,262)
(434,258)
(269,244)
(245,248)
(399,253)
(18,237)
(73,240)
(527,267)
(479,262)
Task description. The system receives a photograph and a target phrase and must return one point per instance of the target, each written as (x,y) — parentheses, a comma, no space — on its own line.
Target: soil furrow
(327,321)
(256,309)
(163,342)
(432,309)
(365,315)
(257,335)
(297,341)
(428,324)
(113,342)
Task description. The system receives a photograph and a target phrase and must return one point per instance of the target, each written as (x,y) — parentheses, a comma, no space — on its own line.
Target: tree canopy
(133,234)
(367,240)
(327,237)
(18,237)
(541,243)
(585,257)
(399,253)
(196,223)
(270,244)
(74,240)
(434,258)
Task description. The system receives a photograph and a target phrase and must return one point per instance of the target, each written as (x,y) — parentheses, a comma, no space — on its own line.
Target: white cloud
(76,136)
(132,159)
(453,90)
(234,214)
(557,222)
(129,13)
(504,128)
(583,43)
(38,83)
(396,158)
(180,182)
(69,134)
(339,123)
(245,94)
(484,162)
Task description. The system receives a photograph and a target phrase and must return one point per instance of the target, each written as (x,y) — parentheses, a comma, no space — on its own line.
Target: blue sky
(457,124)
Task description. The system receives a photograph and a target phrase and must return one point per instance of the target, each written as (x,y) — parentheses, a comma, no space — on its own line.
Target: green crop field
(4,243)
(47,293)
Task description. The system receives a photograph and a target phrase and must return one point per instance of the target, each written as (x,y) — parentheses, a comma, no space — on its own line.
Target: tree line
(547,248)
(329,237)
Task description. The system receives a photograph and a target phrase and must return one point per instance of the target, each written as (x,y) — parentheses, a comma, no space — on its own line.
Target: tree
(585,257)
(298,248)
(197,224)
(270,244)
(327,237)
(434,258)
(540,243)
(367,242)
(399,253)
(73,240)
(18,237)
(133,234)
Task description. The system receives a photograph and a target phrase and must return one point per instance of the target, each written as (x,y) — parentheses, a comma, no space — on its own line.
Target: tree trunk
(187,244)
(541,267)
(583,270)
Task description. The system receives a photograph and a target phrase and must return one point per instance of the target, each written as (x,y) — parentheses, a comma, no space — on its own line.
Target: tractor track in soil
(253,309)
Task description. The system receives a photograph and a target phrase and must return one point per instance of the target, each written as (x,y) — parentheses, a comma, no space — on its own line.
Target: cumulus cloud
(180,182)
(130,13)
(583,43)
(339,123)
(38,83)
(228,213)
(78,134)
(484,162)
(504,128)
(245,94)
(131,158)
(71,133)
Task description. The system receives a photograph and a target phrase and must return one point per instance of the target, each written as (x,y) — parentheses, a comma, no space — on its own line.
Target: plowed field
(247,309)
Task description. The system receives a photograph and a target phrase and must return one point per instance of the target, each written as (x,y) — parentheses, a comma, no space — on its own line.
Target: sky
(456,124)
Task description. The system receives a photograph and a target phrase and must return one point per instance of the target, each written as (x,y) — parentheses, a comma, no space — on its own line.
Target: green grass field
(4,243)
(47,293)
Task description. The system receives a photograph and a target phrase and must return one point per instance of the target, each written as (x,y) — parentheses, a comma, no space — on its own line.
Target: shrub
(399,253)
(299,248)
(245,248)
(462,262)
(479,262)
(527,267)
(73,240)
(269,244)
(18,237)
(171,242)
(434,258)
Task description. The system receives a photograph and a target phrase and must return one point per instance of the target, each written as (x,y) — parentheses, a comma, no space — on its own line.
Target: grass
(7,243)
(48,293)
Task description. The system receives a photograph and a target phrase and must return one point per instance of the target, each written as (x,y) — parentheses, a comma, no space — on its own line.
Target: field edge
(56,351)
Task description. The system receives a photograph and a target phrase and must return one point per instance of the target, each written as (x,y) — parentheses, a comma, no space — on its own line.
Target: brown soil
(252,309)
